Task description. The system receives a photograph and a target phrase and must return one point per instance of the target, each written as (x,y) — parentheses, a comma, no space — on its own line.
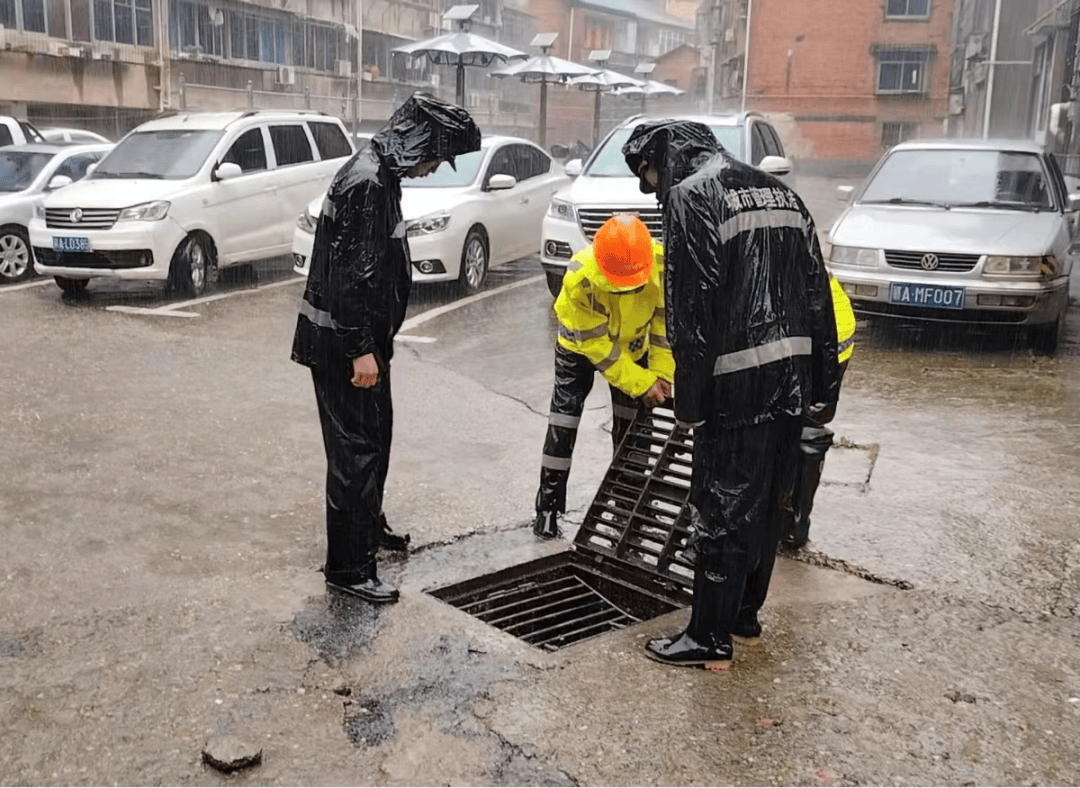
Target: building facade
(854,76)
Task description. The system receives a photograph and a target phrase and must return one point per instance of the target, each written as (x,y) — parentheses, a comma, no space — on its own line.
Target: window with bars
(907,9)
(902,71)
(895,133)
(124,21)
(23,15)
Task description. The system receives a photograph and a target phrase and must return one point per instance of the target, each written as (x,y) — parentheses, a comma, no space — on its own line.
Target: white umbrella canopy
(543,69)
(650,88)
(461,48)
(603,82)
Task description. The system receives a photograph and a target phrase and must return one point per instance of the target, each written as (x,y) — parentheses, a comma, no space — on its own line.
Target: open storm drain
(626,563)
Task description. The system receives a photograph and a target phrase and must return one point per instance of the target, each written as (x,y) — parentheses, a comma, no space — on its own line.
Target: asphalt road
(162,516)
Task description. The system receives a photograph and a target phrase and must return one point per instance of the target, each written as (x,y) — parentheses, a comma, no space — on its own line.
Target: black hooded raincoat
(355,300)
(751,327)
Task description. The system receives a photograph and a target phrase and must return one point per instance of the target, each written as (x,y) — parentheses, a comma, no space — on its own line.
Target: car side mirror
(498,183)
(227,170)
(573,167)
(844,193)
(775,165)
(59,182)
(1074,202)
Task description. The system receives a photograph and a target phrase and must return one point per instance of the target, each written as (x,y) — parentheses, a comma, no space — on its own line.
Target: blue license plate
(926,295)
(71,243)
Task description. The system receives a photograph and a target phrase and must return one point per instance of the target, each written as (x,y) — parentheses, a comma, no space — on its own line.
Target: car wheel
(193,269)
(554,281)
(1047,337)
(71,286)
(16,262)
(474,262)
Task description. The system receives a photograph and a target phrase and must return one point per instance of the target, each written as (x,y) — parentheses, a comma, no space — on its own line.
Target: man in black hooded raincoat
(354,304)
(750,322)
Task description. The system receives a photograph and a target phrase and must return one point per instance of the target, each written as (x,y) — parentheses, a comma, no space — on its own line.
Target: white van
(184,195)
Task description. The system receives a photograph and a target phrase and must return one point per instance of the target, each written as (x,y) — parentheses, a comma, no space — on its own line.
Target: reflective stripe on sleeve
(612,357)
(581,336)
(762,354)
(316,316)
(555,463)
(660,312)
(656,340)
(573,265)
(596,306)
(563,420)
(772,219)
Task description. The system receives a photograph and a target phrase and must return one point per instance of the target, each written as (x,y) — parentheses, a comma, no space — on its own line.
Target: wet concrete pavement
(162,512)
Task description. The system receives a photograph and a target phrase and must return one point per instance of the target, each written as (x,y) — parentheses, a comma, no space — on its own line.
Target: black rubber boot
(705,643)
(371,589)
(747,627)
(388,540)
(813,446)
(546,525)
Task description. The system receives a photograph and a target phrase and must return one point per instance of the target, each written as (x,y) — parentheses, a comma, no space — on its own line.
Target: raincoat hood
(425,128)
(676,148)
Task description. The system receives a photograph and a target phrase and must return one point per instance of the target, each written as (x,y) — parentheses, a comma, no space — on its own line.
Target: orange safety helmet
(624,251)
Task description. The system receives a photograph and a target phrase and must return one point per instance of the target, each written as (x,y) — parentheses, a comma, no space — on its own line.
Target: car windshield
(172,154)
(609,161)
(19,168)
(955,178)
(468,164)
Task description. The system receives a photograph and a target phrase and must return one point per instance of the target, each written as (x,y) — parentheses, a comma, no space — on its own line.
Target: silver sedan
(969,231)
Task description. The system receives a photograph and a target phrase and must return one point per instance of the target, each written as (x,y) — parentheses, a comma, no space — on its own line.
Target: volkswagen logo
(76,215)
(929,261)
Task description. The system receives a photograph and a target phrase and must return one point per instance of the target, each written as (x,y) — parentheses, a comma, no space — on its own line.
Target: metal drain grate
(626,565)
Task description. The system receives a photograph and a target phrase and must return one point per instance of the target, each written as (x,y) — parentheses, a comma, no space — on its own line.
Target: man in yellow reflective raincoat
(611,320)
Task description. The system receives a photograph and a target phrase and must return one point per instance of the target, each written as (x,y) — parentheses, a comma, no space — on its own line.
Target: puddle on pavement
(336,626)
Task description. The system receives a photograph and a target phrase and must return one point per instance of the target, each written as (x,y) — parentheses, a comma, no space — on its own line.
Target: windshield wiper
(110,174)
(1010,204)
(908,201)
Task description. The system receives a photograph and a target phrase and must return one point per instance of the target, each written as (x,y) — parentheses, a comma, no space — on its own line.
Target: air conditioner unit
(342,68)
(286,75)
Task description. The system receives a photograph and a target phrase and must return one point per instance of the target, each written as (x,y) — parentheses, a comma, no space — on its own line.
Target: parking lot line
(26,285)
(431,314)
(175,310)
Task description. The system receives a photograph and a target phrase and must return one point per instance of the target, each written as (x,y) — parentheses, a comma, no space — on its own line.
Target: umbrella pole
(543,114)
(596,122)
(460,84)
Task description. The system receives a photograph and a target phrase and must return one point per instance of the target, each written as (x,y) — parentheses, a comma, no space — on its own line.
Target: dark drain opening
(626,564)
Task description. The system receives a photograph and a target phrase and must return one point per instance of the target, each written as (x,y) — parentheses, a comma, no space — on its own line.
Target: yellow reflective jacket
(845,321)
(614,330)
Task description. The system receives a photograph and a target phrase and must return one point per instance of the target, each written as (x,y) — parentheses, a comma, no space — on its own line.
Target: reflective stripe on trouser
(574,376)
(357,426)
(738,484)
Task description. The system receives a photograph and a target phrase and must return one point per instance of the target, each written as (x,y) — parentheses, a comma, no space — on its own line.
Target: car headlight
(854,255)
(1020,267)
(426,225)
(145,212)
(561,209)
(307,222)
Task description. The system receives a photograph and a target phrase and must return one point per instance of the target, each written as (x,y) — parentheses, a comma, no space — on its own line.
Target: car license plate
(70,243)
(926,295)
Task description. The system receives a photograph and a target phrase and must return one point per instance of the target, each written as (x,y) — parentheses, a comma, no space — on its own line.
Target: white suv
(184,195)
(605,185)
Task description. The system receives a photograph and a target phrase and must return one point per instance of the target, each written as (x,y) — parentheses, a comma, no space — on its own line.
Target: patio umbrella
(603,82)
(542,69)
(460,48)
(650,88)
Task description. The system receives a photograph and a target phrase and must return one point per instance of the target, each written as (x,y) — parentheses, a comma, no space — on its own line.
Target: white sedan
(459,224)
(27,173)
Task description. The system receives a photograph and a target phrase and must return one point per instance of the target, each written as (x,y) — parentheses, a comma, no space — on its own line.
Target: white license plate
(71,243)
(926,295)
